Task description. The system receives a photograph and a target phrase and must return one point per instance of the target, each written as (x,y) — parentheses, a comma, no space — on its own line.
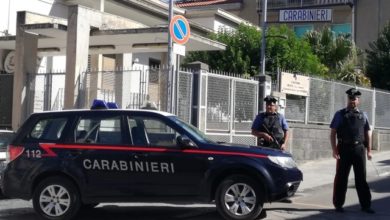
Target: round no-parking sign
(179,29)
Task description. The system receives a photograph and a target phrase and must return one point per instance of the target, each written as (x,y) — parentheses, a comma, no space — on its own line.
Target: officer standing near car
(352,129)
(270,126)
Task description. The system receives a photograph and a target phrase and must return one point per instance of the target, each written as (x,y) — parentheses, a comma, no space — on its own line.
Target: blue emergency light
(112,105)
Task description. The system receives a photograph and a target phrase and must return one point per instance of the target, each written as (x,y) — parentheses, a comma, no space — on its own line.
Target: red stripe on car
(50,153)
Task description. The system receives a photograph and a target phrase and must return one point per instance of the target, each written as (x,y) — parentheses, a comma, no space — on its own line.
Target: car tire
(239,197)
(56,198)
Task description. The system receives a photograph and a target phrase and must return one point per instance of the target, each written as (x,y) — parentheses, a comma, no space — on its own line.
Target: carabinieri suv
(68,160)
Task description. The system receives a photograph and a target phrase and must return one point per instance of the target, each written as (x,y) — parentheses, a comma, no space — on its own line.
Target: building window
(342,29)
(301,30)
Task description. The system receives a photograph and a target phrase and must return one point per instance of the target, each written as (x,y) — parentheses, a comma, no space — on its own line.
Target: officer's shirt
(338,118)
(260,118)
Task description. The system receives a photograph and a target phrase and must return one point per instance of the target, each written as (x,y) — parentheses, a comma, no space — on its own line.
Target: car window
(194,131)
(152,131)
(5,138)
(99,130)
(48,129)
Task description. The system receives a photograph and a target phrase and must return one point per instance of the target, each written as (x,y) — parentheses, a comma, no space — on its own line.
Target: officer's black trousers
(351,156)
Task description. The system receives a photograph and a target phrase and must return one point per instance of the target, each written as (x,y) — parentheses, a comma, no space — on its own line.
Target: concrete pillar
(48,84)
(96,64)
(25,67)
(376,144)
(123,63)
(198,110)
(95,77)
(76,52)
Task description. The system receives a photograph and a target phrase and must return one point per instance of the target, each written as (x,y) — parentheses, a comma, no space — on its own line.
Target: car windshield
(194,131)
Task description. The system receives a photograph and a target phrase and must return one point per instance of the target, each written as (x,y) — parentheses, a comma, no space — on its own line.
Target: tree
(331,50)
(378,60)
(339,54)
(291,53)
(242,54)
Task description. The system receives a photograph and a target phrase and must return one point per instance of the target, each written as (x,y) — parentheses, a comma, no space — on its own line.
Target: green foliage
(320,53)
(286,51)
(339,54)
(331,50)
(242,54)
(378,60)
(347,70)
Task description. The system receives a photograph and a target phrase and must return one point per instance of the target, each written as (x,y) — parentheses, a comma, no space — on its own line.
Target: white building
(74,35)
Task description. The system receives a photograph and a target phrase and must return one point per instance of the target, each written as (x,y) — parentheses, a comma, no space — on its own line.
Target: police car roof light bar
(112,105)
(99,104)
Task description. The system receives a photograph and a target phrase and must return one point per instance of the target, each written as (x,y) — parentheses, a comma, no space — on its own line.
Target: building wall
(371,16)
(312,142)
(9,9)
(8,13)
(205,21)
(341,16)
(249,11)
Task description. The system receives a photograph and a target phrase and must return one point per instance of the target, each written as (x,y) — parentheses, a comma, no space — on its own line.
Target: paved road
(314,203)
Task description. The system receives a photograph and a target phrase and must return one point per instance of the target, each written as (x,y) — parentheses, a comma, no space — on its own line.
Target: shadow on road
(109,212)
(307,206)
(380,205)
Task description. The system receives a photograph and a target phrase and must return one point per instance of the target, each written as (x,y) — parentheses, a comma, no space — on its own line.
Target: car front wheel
(56,198)
(239,197)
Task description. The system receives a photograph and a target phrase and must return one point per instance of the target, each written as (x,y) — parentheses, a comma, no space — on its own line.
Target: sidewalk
(322,172)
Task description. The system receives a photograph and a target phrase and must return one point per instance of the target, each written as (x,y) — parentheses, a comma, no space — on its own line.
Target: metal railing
(327,97)
(228,107)
(279,4)
(128,88)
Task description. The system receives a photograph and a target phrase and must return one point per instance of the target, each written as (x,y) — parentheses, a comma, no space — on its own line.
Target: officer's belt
(350,142)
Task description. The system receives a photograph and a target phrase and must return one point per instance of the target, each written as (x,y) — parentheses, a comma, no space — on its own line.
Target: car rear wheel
(239,197)
(56,198)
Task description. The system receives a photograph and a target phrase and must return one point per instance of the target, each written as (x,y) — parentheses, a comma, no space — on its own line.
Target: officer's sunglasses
(352,98)
(270,104)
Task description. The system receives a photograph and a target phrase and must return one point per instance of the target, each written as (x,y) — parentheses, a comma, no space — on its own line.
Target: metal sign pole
(170,55)
(262,76)
(263,36)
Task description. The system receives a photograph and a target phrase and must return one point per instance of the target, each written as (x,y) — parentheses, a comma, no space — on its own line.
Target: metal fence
(327,97)
(226,105)
(130,89)
(274,4)
(230,105)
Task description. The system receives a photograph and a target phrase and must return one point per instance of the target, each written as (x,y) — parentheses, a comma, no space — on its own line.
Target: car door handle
(75,153)
(140,155)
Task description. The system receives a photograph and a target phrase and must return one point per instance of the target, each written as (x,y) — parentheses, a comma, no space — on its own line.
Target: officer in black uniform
(353,140)
(270,126)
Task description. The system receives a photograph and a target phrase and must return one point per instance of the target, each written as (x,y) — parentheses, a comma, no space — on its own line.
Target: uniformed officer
(353,140)
(271,126)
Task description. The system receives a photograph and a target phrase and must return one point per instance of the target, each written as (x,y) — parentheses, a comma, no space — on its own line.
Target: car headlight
(286,162)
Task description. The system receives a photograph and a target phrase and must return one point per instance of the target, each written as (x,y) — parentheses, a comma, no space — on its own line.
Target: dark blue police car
(68,160)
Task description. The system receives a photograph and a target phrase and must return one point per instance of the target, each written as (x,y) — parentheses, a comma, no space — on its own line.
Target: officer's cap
(270,99)
(353,93)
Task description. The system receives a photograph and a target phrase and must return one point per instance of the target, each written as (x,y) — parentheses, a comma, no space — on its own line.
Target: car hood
(252,149)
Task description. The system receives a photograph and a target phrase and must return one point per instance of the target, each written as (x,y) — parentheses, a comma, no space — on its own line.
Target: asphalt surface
(312,200)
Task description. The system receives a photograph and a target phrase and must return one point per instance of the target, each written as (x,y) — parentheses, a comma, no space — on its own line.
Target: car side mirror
(185,142)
